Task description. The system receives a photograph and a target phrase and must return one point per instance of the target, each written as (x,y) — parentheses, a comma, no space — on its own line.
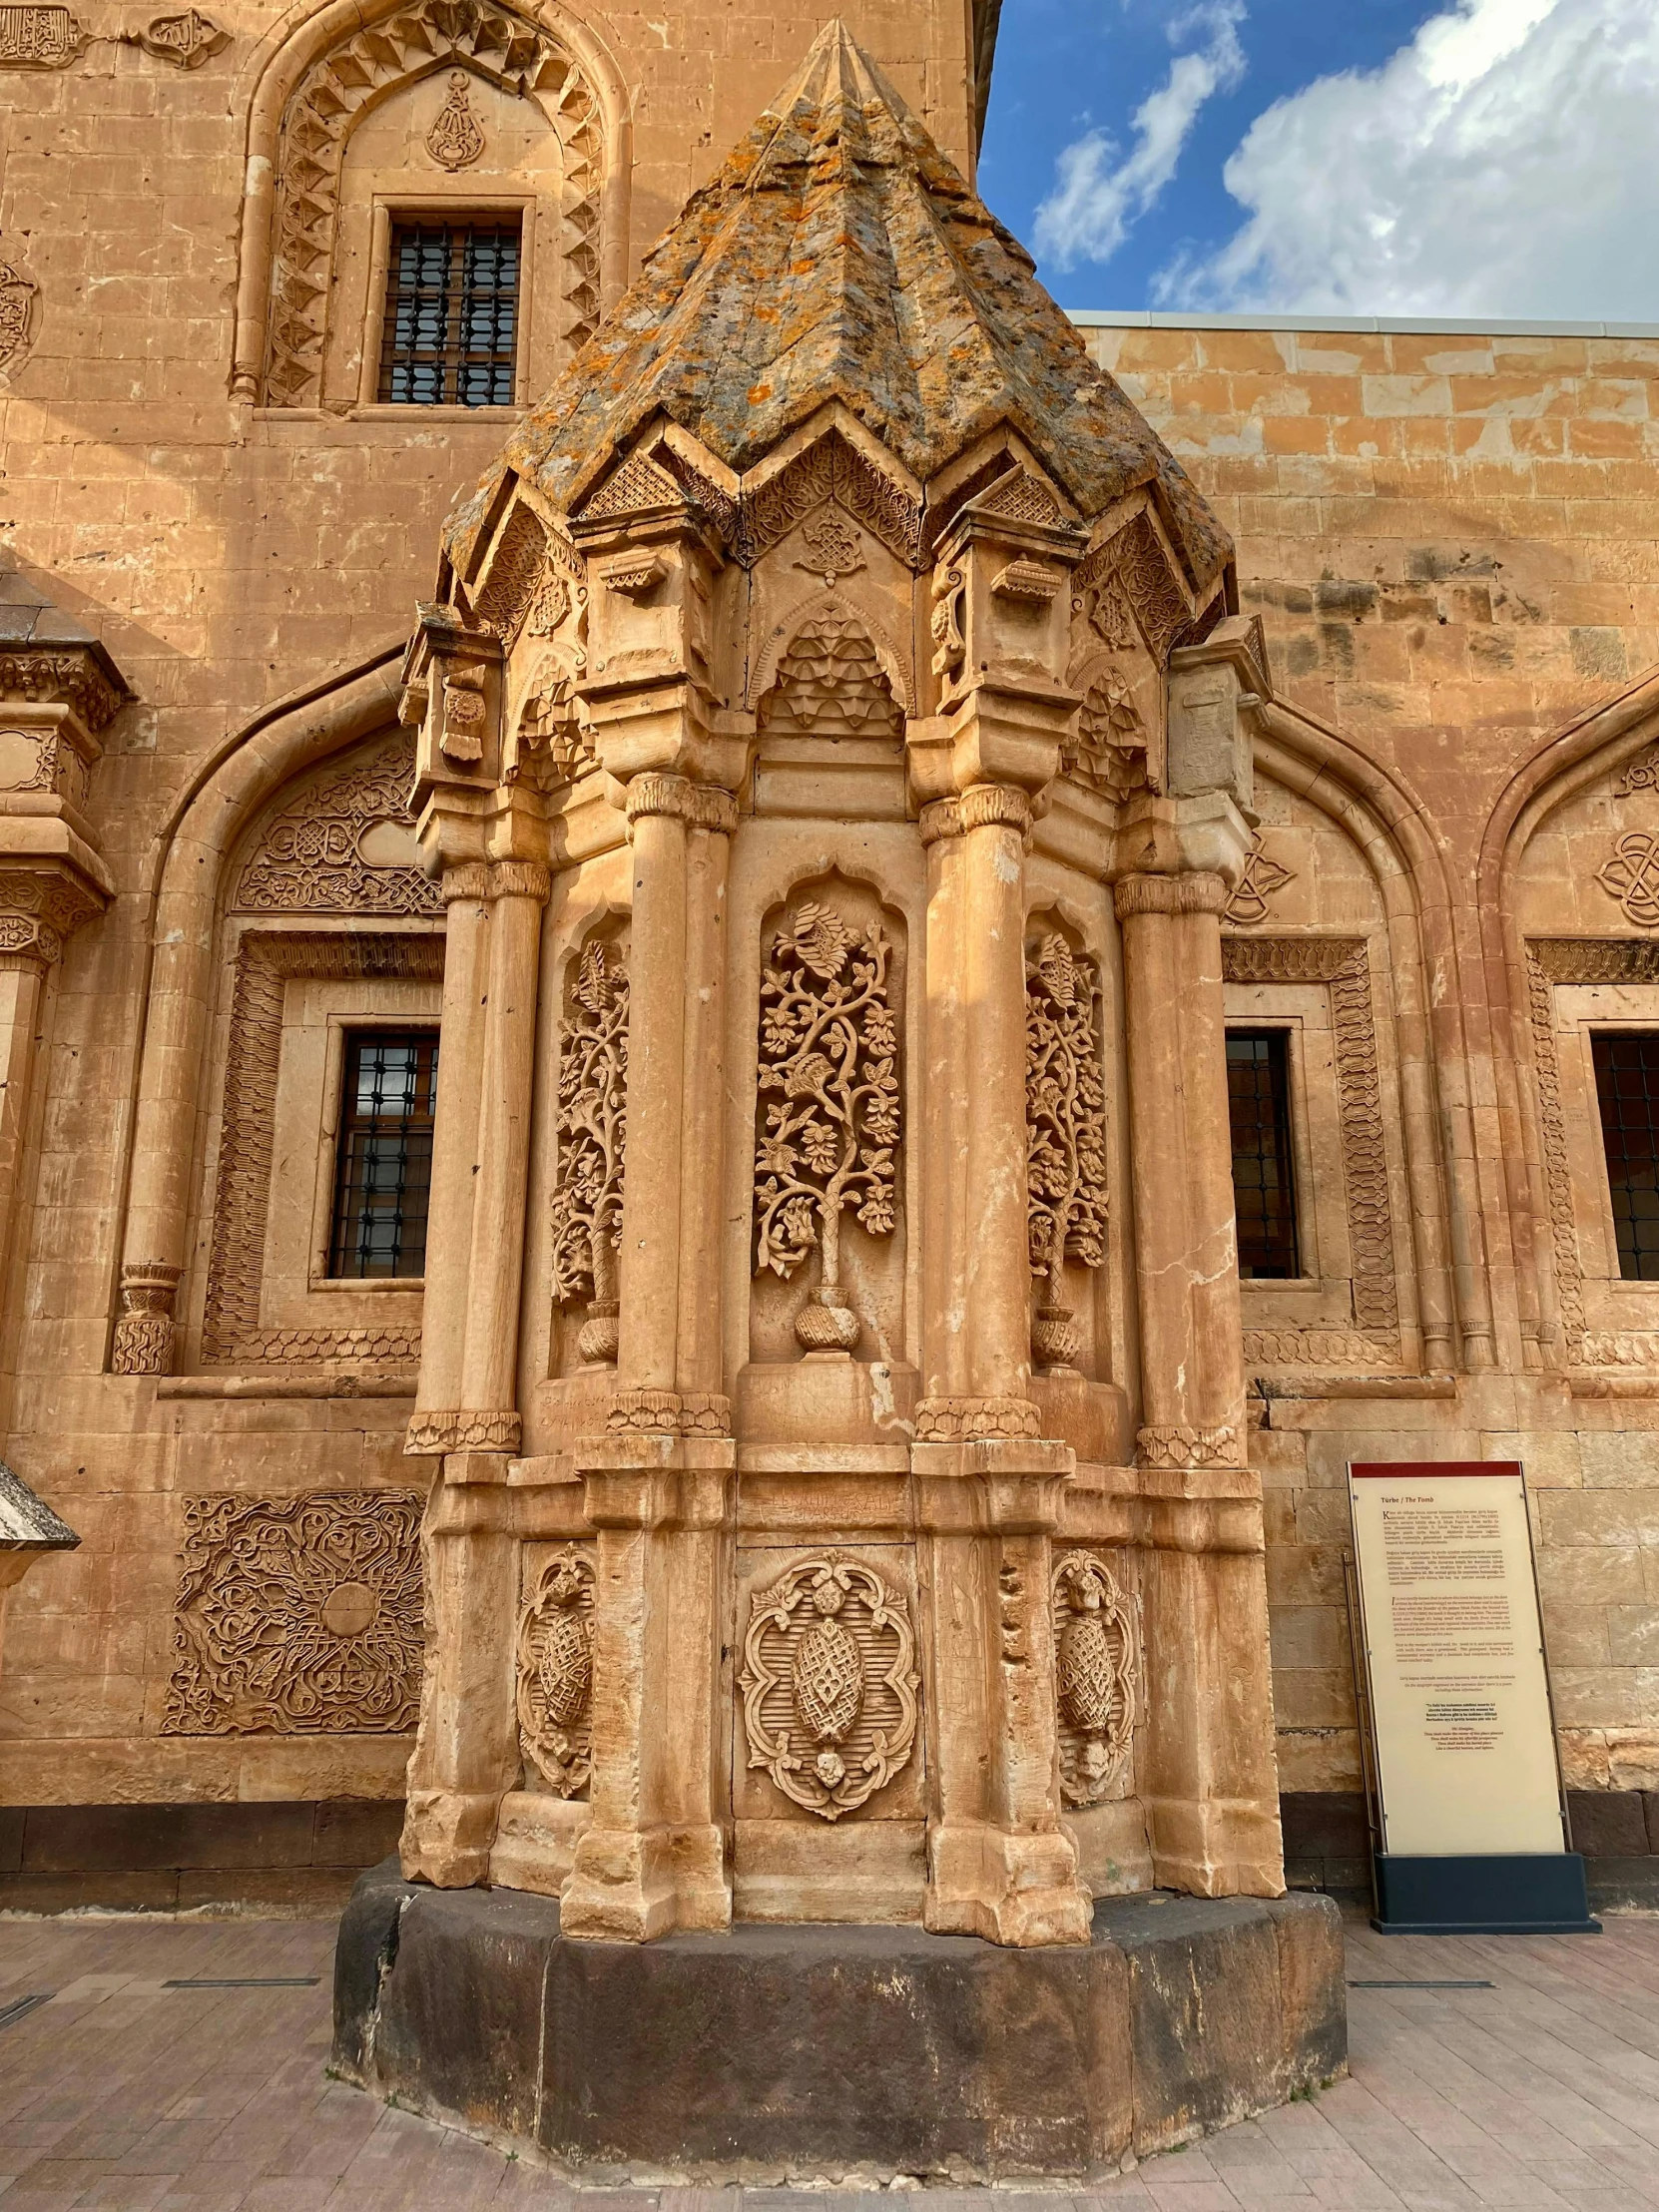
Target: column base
(629,1886)
(447,1836)
(774,2053)
(1215,1847)
(1020,1891)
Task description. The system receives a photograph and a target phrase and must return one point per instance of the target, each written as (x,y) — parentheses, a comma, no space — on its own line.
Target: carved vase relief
(298,1616)
(828,1085)
(1065,1119)
(829,1682)
(592,1132)
(555,1672)
(1094,1652)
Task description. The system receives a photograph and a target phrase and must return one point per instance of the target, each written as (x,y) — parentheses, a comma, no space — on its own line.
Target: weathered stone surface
(801,2050)
(839,255)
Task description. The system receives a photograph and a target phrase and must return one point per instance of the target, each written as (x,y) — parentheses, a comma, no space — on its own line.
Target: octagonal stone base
(786,2052)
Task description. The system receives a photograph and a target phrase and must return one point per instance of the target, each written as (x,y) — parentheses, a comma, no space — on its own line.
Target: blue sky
(1363,157)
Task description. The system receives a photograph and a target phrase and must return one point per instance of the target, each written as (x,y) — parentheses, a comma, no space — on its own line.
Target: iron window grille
(383,1162)
(450,332)
(1264,1174)
(1627,1091)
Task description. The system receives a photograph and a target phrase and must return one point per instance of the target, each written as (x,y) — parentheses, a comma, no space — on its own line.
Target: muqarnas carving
(592,1134)
(829,1682)
(829,1045)
(298,1616)
(1065,1120)
(1094,1655)
(831,684)
(555,1672)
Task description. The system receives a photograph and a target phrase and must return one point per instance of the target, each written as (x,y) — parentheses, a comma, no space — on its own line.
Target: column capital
(493,880)
(1198,894)
(699,805)
(980,807)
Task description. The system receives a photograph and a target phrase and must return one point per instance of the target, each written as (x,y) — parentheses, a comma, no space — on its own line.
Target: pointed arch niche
(1573,855)
(338,142)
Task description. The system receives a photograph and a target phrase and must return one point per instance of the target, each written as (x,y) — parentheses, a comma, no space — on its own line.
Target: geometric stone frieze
(298,1616)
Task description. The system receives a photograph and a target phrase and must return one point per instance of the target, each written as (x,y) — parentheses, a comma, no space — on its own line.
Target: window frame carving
(1343,966)
(1570,961)
(282,357)
(232,1333)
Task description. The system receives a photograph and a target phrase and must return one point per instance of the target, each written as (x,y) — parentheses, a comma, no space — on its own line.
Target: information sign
(1465,1749)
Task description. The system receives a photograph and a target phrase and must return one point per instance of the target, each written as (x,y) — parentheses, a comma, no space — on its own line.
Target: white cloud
(1089,213)
(1499,165)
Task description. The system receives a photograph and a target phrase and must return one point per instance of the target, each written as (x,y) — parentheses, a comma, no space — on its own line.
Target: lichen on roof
(839,255)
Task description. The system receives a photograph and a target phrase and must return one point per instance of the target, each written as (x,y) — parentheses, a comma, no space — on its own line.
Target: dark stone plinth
(791,2050)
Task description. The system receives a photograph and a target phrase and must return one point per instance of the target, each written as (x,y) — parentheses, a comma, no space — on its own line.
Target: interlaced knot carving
(298,1616)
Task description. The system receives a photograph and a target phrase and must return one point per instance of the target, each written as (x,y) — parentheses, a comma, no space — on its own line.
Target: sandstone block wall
(1450,539)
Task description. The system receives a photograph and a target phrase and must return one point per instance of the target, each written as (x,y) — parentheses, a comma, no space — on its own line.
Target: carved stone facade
(936,640)
(555,1672)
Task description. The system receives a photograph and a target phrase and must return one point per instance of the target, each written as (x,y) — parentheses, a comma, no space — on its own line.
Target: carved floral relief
(1095,1665)
(829,1682)
(555,1672)
(344,846)
(298,1616)
(592,1137)
(829,1083)
(1065,1119)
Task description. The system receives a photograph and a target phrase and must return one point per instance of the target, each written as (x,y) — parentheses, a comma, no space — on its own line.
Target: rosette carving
(555,1672)
(1094,1648)
(592,1130)
(829,1683)
(830,1045)
(298,1616)
(1065,1120)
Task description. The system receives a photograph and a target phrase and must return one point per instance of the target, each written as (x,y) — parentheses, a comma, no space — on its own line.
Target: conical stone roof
(839,255)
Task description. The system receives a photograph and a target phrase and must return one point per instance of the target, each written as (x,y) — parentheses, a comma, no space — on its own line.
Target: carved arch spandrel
(1387,821)
(1602,744)
(315,78)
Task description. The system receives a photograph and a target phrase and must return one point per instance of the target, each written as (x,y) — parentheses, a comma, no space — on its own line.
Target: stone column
(489,1419)
(449,1208)
(659,1483)
(1210,1783)
(466,1755)
(987,1487)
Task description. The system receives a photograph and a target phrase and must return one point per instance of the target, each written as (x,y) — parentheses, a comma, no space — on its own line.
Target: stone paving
(123,2093)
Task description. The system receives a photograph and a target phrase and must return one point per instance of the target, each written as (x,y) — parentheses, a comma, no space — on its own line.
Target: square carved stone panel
(298,1616)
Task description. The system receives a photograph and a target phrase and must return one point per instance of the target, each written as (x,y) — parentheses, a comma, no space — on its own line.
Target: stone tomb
(833,747)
